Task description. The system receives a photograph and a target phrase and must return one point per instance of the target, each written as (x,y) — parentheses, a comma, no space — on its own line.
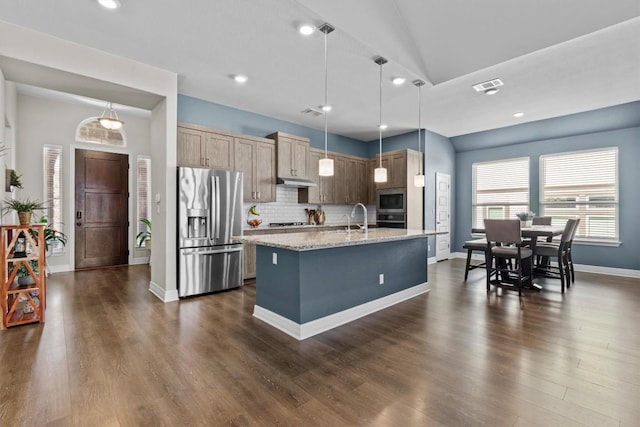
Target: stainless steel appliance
(391,208)
(209,214)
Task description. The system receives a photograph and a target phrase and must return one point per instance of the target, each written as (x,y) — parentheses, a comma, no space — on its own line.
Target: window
(582,185)
(90,130)
(52,161)
(143,188)
(500,189)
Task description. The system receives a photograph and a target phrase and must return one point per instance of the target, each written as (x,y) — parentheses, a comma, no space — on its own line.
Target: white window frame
(139,216)
(584,221)
(57,223)
(505,206)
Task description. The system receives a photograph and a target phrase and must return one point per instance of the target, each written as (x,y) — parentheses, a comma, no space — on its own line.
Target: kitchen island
(308,283)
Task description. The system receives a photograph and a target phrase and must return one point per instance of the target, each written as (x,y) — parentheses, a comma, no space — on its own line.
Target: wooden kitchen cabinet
(292,155)
(22,303)
(323,191)
(255,157)
(249,260)
(202,147)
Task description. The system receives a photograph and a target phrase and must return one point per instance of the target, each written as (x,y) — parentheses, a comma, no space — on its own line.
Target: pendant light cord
(380,122)
(419,128)
(326,96)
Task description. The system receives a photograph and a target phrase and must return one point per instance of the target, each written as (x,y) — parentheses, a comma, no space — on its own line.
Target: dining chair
(569,257)
(541,220)
(504,244)
(477,245)
(560,251)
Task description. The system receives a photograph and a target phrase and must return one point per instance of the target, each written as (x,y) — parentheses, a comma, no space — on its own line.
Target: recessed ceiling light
(306,29)
(240,78)
(383,126)
(109,4)
(398,80)
(491,91)
(518,114)
(326,108)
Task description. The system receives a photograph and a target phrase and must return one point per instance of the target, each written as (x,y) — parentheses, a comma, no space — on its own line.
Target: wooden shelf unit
(22,304)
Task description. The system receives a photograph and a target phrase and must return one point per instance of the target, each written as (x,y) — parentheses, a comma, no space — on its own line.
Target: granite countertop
(266,228)
(327,239)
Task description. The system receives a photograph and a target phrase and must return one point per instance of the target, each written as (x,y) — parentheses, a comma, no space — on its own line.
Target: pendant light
(380,173)
(418,180)
(325,166)
(111,122)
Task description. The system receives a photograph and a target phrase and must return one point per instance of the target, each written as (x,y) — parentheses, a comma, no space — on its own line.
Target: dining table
(533,233)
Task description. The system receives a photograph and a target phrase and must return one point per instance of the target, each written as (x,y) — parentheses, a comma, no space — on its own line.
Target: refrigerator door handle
(212,252)
(217,208)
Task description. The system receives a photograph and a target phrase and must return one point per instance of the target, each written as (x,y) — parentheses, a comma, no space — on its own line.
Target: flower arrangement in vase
(526,218)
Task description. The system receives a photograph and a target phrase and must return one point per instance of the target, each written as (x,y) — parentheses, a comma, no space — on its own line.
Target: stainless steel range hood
(295,182)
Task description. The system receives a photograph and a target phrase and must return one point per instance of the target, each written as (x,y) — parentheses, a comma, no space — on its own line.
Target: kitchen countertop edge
(305,241)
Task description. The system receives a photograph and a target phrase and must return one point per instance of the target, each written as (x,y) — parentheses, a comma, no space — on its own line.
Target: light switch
(274,258)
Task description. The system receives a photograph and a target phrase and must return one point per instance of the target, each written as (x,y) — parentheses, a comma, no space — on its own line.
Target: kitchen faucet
(348,223)
(364,209)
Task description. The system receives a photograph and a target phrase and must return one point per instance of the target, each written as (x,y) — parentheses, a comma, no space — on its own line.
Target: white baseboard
(163,294)
(623,272)
(138,261)
(59,268)
(611,271)
(431,260)
(314,327)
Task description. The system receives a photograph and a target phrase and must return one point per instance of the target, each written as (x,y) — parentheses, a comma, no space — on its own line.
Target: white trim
(59,268)
(138,261)
(622,272)
(163,294)
(314,327)
(431,260)
(611,271)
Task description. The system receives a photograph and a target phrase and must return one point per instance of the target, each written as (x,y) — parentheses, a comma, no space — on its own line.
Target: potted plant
(526,218)
(24,208)
(144,237)
(14,180)
(51,235)
(23,276)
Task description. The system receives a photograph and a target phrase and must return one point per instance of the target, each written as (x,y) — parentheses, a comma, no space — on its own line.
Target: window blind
(582,185)
(52,162)
(500,189)
(143,185)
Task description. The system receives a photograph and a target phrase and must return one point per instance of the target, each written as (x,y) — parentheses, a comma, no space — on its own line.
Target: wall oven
(391,208)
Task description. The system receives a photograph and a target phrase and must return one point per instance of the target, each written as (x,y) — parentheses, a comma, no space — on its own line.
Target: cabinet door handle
(258,195)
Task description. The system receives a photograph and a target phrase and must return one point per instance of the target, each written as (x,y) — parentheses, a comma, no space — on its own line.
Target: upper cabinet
(292,155)
(201,147)
(255,157)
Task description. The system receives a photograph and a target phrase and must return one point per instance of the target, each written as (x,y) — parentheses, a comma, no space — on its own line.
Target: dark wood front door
(102,206)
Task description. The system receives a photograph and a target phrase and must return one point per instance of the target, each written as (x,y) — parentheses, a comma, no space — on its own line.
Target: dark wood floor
(112,354)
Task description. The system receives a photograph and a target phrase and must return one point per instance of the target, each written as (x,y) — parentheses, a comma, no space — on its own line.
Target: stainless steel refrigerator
(209,214)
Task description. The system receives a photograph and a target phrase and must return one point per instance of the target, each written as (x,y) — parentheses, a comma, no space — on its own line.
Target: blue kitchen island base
(306,292)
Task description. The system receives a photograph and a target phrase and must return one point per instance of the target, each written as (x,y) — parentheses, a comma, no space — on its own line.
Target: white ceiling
(555,57)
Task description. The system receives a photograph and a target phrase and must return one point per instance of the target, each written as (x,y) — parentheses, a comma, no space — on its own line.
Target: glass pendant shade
(110,121)
(326,167)
(418,180)
(380,174)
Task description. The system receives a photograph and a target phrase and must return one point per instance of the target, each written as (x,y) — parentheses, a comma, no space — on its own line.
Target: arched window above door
(90,130)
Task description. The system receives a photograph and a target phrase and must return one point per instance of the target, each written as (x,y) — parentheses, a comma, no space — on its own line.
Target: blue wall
(628,142)
(198,111)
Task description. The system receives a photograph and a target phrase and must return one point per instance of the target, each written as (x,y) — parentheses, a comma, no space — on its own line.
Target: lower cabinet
(249,261)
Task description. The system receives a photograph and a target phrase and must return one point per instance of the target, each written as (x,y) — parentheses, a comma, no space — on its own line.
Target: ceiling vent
(314,112)
(491,84)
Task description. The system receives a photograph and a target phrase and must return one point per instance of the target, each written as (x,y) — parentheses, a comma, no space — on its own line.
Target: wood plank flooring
(111,354)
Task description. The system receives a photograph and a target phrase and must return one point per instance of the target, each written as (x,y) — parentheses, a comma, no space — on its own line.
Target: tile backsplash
(287,209)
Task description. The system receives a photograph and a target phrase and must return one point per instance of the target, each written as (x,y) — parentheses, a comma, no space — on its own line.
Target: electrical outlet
(381,279)
(274,258)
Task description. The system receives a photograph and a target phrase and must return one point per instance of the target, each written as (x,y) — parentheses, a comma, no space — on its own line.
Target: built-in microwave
(391,200)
